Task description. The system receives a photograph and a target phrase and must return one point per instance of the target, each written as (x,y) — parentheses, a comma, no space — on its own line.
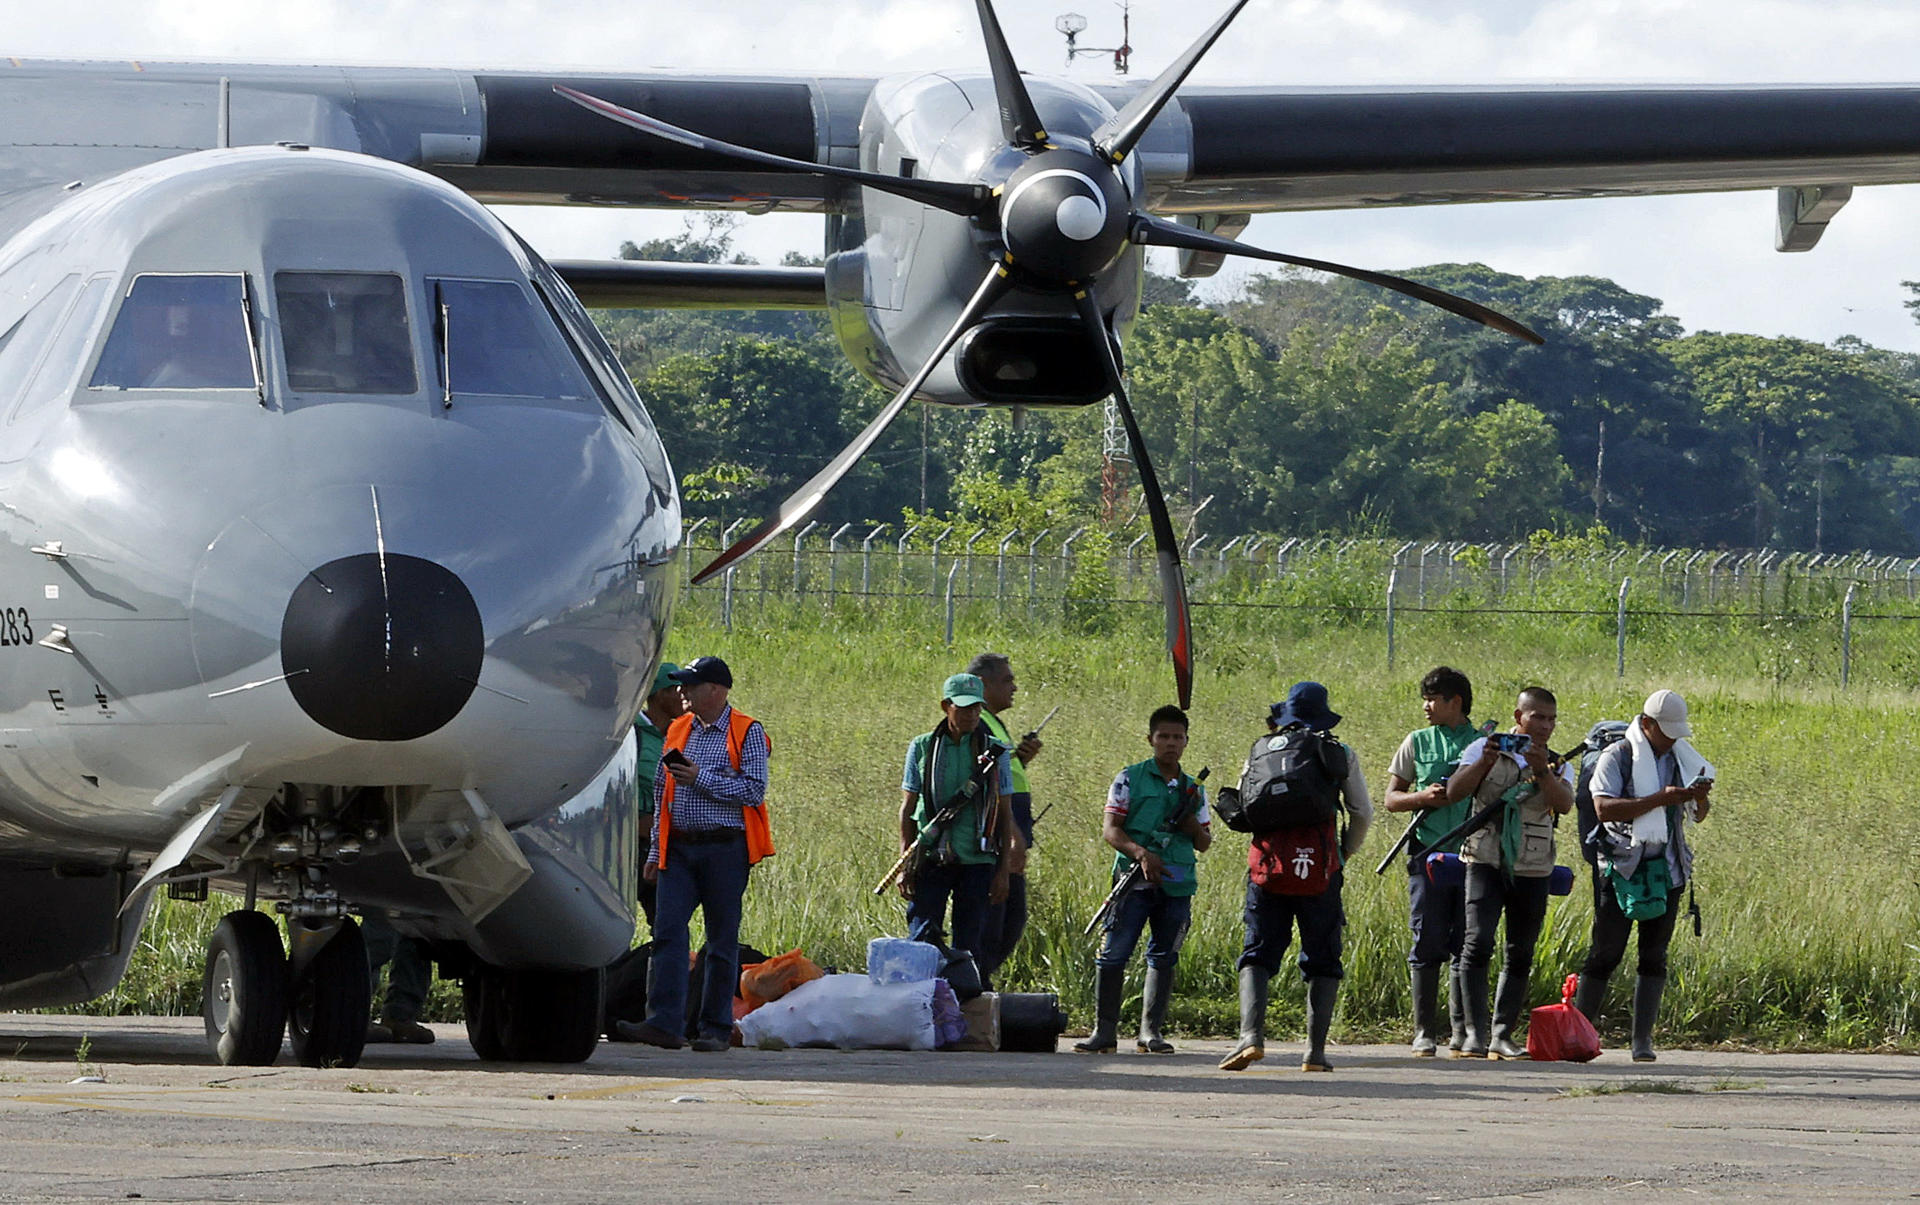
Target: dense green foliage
(1314,406)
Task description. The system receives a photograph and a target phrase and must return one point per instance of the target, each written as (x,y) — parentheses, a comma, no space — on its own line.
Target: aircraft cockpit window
(345,332)
(21,346)
(179,332)
(494,340)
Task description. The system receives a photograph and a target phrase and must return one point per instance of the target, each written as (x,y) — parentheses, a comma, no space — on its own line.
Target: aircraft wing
(506,138)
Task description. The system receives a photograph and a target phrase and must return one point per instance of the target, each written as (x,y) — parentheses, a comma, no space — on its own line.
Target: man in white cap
(1644,788)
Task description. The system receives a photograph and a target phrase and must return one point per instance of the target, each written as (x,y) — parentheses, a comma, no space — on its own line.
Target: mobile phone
(674,757)
(1702,781)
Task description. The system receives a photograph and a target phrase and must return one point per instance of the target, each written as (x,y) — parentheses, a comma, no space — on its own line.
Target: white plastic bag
(848,1012)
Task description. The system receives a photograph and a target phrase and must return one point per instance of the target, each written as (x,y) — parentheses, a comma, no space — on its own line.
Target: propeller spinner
(1063,217)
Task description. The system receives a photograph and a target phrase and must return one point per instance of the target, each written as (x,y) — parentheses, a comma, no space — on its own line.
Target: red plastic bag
(1561,1033)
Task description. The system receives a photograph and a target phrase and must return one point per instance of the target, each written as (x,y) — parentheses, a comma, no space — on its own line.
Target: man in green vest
(664,704)
(971,860)
(1007,920)
(1417,782)
(1157,816)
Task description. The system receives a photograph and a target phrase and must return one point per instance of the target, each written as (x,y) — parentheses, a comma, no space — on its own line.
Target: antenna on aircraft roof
(1073,25)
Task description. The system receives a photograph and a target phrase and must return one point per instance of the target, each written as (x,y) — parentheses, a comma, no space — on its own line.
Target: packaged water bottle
(898,960)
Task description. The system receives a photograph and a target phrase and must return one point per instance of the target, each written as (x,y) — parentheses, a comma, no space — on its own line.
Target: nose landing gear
(253,992)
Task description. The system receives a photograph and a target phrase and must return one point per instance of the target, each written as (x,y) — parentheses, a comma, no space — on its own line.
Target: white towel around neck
(1650,828)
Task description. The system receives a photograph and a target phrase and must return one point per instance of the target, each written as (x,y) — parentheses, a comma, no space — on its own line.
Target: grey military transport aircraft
(338,549)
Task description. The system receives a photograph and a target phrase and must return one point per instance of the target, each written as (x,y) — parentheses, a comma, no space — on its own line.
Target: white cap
(1669,710)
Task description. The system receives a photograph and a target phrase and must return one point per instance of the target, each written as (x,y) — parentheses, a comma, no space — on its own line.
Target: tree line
(1315,406)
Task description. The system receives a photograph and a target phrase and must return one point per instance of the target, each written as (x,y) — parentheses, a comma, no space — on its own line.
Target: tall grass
(1806,872)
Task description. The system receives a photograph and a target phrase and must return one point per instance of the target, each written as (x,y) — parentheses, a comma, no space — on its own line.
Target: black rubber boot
(1457,1010)
(1321,994)
(1508,999)
(1646,1008)
(1153,1011)
(1426,994)
(1108,983)
(1255,983)
(1590,995)
(1472,984)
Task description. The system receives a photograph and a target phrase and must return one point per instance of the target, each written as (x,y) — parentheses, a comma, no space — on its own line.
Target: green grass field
(1806,872)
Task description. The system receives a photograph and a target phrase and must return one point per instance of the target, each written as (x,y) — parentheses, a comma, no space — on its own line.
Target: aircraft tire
(533,1016)
(327,1019)
(244,990)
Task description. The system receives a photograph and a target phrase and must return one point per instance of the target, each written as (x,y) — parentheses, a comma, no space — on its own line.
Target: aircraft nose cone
(381,648)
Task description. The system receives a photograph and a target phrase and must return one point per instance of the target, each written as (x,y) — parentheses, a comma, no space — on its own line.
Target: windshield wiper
(253,339)
(443,341)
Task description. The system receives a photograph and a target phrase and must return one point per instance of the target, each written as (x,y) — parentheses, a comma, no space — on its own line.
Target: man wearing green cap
(969,859)
(664,704)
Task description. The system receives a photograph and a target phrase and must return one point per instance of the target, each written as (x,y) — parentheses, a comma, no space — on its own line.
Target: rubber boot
(1153,1011)
(1589,995)
(1472,985)
(1108,983)
(1508,999)
(1321,993)
(1254,985)
(1646,1008)
(1426,993)
(1457,1011)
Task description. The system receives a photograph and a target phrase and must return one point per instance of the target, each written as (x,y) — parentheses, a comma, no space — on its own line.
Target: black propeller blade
(1150,231)
(993,287)
(1173,579)
(967,200)
(1118,134)
(1017,115)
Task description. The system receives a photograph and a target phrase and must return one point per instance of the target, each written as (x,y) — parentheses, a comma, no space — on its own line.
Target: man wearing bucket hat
(1644,788)
(1269,916)
(970,859)
(665,704)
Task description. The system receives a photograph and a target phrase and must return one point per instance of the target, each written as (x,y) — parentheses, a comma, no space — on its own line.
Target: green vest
(1151,802)
(997,729)
(956,763)
(1436,754)
(651,740)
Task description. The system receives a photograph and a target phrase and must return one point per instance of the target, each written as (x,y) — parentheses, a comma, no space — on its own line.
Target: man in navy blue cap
(709,828)
(1294,875)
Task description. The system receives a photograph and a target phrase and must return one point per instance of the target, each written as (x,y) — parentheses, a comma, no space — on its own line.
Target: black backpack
(1601,736)
(1292,780)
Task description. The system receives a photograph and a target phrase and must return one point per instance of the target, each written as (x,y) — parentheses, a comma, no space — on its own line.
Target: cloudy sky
(1711,259)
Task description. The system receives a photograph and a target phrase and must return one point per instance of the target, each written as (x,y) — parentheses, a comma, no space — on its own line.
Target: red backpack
(1295,861)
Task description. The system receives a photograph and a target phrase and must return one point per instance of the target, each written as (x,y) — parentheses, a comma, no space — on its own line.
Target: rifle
(1126,881)
(1474,823)
(936,830)
(1406,836)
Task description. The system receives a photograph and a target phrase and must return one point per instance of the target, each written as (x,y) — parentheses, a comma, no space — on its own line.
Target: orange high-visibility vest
(759,832)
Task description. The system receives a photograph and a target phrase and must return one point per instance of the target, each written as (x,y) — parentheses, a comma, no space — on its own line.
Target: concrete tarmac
(429,1124)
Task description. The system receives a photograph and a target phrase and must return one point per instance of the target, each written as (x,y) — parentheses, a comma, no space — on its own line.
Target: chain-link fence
(1847,618)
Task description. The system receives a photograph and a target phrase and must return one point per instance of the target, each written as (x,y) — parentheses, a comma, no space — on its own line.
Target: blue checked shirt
(715,799)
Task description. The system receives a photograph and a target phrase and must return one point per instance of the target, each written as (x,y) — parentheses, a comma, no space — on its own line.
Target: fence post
(726,600)
(686,549)
(1033,559)
(833,560)
(950,576)
(971,541)
(900,561)
(933,562)
(1134,545)
(1393,579)
(797,537)
(866,559)
(1000,589)
(1846,635)
(1620,630)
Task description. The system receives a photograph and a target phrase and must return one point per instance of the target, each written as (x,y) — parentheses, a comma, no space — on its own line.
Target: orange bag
(765,982)
(1560,1032)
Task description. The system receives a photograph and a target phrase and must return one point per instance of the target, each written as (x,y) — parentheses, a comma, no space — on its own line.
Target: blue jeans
(969,885)
(1269,921)
(1167,918)
(711,878)
(1439,917)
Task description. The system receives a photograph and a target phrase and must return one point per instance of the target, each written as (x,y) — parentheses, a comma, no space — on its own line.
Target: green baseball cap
(662,677)
(964,690)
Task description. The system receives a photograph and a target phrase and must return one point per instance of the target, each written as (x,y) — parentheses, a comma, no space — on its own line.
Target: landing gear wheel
(331,999)
(533,1016)
(244,992)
